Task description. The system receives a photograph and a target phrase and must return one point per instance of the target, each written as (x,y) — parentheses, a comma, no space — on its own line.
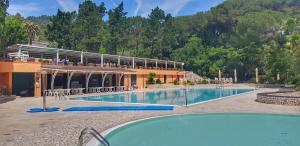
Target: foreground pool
(169,97)
(210,130)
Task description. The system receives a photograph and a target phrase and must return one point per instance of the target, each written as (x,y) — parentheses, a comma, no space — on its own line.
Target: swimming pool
(168,97)
(210,130)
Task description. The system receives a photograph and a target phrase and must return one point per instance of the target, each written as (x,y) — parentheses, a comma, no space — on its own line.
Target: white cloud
(173,7)
(68,5)
(23,9)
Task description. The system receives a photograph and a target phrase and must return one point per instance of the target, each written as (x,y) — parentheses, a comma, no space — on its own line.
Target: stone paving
(63,128)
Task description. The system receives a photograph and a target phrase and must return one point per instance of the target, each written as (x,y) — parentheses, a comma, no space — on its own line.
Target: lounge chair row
(80,91)
(105,89)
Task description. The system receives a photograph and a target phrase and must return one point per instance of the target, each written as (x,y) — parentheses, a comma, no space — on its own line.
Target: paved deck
(63,128)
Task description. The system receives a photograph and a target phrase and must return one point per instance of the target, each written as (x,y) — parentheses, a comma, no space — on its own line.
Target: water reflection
(170,97)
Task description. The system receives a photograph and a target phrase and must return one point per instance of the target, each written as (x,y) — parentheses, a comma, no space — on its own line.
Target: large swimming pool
(168,97)
(210,130)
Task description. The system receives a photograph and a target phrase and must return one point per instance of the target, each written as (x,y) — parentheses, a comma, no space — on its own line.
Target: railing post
(119,60)
(57,56)
(133,64)
(81,57)
(102,59)
(166,64)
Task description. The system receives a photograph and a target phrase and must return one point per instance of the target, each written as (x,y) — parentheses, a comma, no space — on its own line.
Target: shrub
(102,50)
(190,82)
(176,82)
(158,81)
(150,78)
(298,88)
(202,82)
(295,80)
(185,83)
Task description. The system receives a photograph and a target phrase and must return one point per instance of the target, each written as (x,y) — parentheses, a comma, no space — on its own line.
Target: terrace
(75,71)
(62,57)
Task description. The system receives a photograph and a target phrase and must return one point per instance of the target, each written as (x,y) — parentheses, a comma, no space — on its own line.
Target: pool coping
(179,106)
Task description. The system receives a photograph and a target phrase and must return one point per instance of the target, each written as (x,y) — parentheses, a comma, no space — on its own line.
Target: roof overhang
(85,69)
(38,51)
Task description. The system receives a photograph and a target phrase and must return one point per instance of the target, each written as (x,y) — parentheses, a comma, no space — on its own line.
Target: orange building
(67,69)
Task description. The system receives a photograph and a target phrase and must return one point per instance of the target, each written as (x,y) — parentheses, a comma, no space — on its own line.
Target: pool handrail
(95,134)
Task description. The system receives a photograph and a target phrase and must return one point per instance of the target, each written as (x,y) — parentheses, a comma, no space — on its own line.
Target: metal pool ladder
(95,134)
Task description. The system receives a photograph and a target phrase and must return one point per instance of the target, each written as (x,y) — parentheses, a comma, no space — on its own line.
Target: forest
(236,34)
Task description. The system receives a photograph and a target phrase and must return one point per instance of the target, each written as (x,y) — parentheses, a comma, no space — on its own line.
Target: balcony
(70,58)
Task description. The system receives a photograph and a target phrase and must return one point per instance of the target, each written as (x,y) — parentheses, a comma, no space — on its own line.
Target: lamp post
(44,78)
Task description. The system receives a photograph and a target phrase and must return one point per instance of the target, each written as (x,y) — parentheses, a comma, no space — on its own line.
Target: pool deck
(18,127)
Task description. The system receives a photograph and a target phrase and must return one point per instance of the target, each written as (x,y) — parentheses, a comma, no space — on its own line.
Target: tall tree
(3,7)
(277,59)
(160,35)
(153,34)
(60,29)
(32,30)
(117,26)
(135,27)
(15,31)
(250,58)
(293,43)
(89,26)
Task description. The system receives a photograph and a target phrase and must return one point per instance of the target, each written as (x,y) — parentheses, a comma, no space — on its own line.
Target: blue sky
(133,7)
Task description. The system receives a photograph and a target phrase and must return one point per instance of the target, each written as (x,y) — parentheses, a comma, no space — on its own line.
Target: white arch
(87,81)
(103,78)
(69,79)
(53,79)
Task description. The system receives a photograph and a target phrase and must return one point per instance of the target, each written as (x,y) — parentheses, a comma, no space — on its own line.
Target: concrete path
(62,128)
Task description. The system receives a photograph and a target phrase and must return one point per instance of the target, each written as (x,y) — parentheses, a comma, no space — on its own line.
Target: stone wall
(272,98)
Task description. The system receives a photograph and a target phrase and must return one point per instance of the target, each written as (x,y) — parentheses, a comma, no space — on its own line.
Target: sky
(133,7)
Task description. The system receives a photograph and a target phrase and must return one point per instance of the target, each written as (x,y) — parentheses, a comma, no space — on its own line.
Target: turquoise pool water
(210,130)
(168,97)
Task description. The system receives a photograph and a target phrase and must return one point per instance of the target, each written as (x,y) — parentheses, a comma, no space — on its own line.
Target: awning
(45,52)
(85,69)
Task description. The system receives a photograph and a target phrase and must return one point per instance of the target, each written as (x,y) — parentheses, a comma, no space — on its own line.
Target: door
(23,84)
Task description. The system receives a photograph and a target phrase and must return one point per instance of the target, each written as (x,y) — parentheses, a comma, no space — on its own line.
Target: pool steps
(96,135)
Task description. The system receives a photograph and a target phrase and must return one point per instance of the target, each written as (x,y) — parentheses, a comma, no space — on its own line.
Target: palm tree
(32,31)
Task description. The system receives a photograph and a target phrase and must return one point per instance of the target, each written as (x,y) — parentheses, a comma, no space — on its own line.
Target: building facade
(65,69)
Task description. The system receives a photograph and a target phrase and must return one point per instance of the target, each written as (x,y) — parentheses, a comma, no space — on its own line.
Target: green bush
(264,79)
(295,80)
(150,78)
(202,82)
(158,81)
(185,83)
(190,82)
(298,87)
(176,82)
(102,50)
